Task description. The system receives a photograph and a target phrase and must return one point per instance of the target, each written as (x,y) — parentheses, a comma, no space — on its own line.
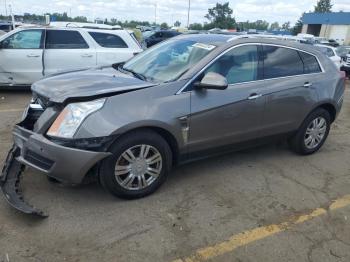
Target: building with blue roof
(335,25)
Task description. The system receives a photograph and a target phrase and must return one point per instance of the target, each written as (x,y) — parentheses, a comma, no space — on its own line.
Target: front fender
(154,107)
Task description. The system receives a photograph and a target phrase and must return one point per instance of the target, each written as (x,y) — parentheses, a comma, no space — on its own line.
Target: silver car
(184,99)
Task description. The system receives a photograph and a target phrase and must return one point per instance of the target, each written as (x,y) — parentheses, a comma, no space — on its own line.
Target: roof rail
(279,37)
(85,25)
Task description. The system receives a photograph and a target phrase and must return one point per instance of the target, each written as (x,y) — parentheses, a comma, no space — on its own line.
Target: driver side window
(28,39)
(238,65)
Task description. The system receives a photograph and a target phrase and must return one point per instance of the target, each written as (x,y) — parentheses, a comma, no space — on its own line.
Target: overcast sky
(171,10)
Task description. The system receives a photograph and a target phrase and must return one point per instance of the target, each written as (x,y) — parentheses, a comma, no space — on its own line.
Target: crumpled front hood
(86,83)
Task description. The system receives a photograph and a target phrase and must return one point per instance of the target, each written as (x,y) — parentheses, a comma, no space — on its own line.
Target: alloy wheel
(138,167)
(315,132)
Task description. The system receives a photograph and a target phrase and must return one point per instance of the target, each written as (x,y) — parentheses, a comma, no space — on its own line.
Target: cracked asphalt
(202,204)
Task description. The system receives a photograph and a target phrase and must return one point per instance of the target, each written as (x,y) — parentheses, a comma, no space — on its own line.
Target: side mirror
(212,80)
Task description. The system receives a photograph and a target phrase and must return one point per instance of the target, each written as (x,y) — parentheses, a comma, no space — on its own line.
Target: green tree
(164,26)
(261,25)
(114,21)
(258,25)
(220,16)
(177,24)
(196,26)
(298,26)
(323,6)
(275,26)
(286,26)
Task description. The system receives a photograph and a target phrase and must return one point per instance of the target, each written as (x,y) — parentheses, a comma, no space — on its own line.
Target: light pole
(188,14)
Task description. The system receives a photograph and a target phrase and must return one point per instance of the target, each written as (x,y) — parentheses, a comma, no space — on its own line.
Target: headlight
(69,120)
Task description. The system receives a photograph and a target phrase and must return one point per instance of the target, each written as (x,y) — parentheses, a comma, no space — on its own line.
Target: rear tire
(312,133)
(139,165)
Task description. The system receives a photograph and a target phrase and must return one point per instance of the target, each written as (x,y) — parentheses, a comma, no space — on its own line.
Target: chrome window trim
(257,44)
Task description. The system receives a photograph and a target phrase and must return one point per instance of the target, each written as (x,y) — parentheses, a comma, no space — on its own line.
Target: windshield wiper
(135,74)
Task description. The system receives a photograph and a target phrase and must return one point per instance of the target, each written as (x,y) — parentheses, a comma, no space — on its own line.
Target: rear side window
(169,34)
(64,39)
(158,34)
(311,64)
(108,40)
(327,51)
(330,52)
(280,62)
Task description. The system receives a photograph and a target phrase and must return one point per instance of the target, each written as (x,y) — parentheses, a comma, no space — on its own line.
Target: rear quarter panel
(332,87)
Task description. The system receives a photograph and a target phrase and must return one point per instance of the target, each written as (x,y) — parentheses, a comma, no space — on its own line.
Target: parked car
(154,37)
(331,52)
(186,98)
(333,43)
(6,26)
(342,51)
(346,65)
(306,38)
(25,57)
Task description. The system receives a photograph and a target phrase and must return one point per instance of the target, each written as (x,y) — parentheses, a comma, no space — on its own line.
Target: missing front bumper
(10,184)
(31,148)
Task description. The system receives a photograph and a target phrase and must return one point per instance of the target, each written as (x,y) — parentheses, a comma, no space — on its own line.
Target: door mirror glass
(212,80)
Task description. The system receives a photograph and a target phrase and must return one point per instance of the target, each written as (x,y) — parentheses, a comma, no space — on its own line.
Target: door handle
(254,96)
(307,84)
(86,55)
(33,55)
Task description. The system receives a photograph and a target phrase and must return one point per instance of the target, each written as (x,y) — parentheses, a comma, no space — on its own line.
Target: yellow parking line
(11,110)
(255,234)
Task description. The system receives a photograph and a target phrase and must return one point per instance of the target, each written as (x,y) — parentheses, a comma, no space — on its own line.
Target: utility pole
(5,7)
(188,14)
(13,18)
(155,13)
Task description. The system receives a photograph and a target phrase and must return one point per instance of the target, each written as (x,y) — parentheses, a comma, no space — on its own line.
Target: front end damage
(66,161)
(10,184)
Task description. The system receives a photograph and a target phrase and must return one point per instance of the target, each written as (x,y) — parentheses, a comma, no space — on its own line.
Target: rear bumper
(65,164)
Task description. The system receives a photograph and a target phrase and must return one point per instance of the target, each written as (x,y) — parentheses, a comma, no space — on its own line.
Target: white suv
(331,52)
(28,54)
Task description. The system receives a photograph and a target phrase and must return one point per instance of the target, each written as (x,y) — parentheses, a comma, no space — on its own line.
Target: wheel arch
(164,132)
(330,108)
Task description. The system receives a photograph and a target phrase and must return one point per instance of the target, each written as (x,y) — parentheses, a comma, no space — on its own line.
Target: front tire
(312,133)
(140,163)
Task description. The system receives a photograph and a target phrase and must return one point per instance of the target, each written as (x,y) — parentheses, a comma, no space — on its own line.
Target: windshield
(168,60)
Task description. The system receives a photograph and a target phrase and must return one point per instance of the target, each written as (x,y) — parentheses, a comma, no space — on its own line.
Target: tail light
(342,74)
(343,77)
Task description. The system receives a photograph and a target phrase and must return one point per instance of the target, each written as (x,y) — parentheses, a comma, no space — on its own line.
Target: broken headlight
(69,120)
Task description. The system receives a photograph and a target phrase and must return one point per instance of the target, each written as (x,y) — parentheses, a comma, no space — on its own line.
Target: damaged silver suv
(184,99)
